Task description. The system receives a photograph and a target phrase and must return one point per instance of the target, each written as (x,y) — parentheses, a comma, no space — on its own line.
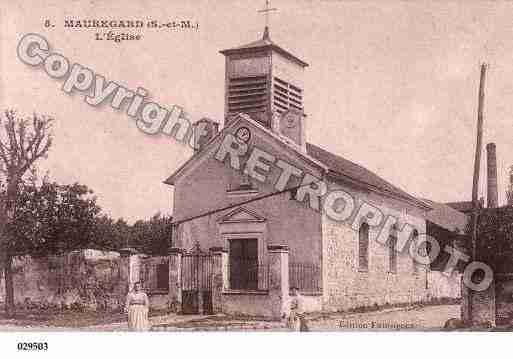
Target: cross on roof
(266,11)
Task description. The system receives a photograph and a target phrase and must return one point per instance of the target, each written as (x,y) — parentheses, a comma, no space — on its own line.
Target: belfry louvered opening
(247,94)
(286,96)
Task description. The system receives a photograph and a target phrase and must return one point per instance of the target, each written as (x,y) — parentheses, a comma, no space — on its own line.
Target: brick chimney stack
(492,197)
(203,131)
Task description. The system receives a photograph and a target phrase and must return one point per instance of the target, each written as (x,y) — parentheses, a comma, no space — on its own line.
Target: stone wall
(145,270)
(504,298)
(482,306)
(260,304)
(312,303)
(443,286)
(252,304)
(159,301)
(88,278)
(344,286)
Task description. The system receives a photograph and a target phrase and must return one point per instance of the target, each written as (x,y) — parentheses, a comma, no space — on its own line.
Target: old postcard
(242,166)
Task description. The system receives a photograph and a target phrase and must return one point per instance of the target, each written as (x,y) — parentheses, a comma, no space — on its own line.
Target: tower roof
(265,43)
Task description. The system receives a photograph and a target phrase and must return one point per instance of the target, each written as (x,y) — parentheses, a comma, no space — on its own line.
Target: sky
(391,85)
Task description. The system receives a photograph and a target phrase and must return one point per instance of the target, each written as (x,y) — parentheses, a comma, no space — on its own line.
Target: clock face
(243,134)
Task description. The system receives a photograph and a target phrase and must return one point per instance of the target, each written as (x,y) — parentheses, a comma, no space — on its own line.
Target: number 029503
(34,346)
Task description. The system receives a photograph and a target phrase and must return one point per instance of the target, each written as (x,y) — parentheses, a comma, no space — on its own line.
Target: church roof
(241,116)
(446,217)
(343,169)
(336,166)
(265,43)
(463,206)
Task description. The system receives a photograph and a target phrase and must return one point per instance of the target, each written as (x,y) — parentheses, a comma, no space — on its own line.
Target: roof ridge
(341,165)
(334,154)
(264,42)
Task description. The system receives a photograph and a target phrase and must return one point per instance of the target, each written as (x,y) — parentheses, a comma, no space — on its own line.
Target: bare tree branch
(21,144)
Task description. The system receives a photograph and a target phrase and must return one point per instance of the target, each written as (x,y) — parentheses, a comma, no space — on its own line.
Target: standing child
(296,320)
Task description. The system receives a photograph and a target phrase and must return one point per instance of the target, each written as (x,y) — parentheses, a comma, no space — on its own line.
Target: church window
(293,193)
(363,247)
(241,183)
(245,182)
(392,253)
(413,242)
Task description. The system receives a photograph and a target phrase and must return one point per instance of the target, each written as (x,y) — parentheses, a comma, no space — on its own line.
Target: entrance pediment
(241,214)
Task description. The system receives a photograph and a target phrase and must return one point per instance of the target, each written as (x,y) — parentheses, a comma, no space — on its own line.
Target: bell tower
(265,81)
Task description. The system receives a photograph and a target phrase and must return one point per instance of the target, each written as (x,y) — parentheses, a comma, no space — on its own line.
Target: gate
(197,282)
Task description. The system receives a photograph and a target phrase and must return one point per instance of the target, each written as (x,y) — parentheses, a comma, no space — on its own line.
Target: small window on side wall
(293,194)
(363,248)
(392,253)
(413,242)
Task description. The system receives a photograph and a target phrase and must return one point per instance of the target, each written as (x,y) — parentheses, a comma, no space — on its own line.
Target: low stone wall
(504,298)
(145,270)
(480,304)
(89,279)
(261,304)
(268,303)
(252,304)
(159,301)
(312,302)
(443,286)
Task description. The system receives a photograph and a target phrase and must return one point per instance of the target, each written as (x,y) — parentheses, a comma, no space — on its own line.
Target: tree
(152,236)
(22,144)
(53,218)
(495,246)
(110,234)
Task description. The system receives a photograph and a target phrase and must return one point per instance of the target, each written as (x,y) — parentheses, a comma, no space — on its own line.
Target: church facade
(229,199)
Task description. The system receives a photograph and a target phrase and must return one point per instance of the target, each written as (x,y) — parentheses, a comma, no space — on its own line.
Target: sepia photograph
(270,166)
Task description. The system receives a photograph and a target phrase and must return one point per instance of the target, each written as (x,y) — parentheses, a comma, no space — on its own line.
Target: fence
(305,276)
(197,272)
(154,274)
(248,275)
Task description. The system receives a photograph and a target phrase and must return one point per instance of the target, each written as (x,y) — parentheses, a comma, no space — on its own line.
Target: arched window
(413,242)
(392,253)
(363,247)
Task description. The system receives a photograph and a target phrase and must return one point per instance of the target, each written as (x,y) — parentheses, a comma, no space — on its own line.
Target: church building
(220,205)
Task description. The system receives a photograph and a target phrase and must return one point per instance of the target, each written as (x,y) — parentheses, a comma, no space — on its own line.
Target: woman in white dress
(137,307)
